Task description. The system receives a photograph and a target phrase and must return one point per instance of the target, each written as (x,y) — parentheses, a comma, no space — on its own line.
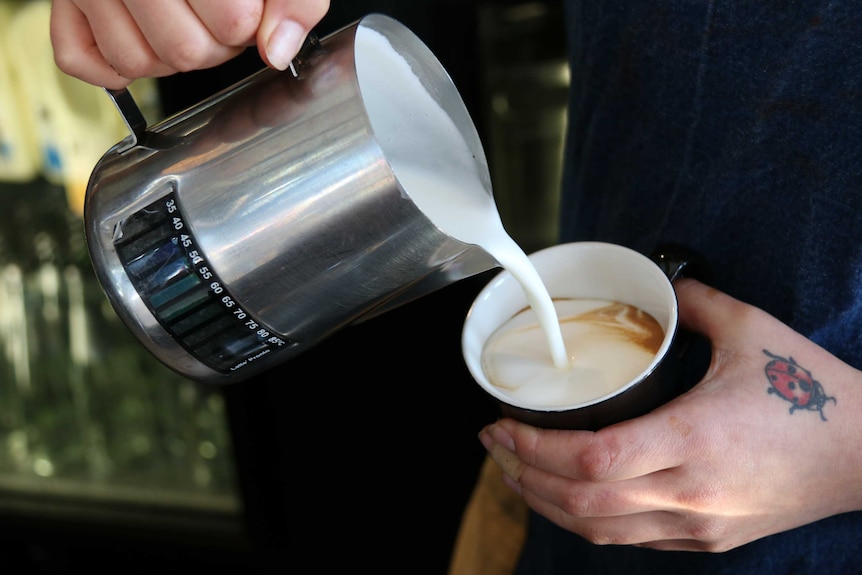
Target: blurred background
(109,460)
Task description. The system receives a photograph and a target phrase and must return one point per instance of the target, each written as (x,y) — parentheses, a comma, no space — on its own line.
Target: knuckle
(67,62)
(238,25)
(577,504)
(709,531)
(598,460)
(188,54)
(134,63)
(588,503)
(599,536)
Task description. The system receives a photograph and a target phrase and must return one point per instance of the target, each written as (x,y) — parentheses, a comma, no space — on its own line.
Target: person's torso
(734,128)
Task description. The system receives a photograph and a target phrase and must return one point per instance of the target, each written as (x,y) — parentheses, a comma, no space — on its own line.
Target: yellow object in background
(19,154)
(75,123)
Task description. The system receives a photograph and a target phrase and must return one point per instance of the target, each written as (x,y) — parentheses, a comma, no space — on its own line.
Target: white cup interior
(575,270)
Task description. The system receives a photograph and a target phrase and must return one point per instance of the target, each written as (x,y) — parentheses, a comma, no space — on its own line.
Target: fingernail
(284,43)
(508,461)
(485,439)
(512,484)
(502,437)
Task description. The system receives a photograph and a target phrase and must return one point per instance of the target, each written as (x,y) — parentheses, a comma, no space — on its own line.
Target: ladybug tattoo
(794,383)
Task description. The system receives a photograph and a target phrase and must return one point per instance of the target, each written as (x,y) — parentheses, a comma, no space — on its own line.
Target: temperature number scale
(170,273)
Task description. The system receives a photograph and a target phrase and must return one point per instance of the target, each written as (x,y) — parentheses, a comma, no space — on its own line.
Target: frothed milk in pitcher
(435,166)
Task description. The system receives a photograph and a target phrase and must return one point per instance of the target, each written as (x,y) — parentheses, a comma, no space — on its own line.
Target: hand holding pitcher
(109,43)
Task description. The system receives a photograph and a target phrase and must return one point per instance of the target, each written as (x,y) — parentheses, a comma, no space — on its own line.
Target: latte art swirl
(609,345)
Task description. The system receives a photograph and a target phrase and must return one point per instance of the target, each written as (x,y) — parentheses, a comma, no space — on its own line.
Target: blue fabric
(829,547)
(734,128)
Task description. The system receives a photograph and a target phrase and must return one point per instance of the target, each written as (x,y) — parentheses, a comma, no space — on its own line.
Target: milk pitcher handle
(132,117)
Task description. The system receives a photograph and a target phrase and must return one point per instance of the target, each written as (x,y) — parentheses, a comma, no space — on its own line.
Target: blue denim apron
(735,128)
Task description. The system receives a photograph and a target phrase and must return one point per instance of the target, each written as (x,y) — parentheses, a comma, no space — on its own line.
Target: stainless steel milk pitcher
(246,229)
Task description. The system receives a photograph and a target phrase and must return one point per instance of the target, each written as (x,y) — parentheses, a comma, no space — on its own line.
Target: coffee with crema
(609,344)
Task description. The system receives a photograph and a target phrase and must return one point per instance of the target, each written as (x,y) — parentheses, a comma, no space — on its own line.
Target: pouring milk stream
(441,175)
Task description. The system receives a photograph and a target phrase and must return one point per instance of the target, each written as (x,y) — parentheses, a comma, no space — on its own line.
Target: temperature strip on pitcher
(171,274)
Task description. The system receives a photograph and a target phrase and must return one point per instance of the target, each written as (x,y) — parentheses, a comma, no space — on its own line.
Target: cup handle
(678,261)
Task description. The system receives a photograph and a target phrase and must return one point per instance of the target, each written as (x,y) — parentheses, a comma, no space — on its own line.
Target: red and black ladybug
(794,383)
